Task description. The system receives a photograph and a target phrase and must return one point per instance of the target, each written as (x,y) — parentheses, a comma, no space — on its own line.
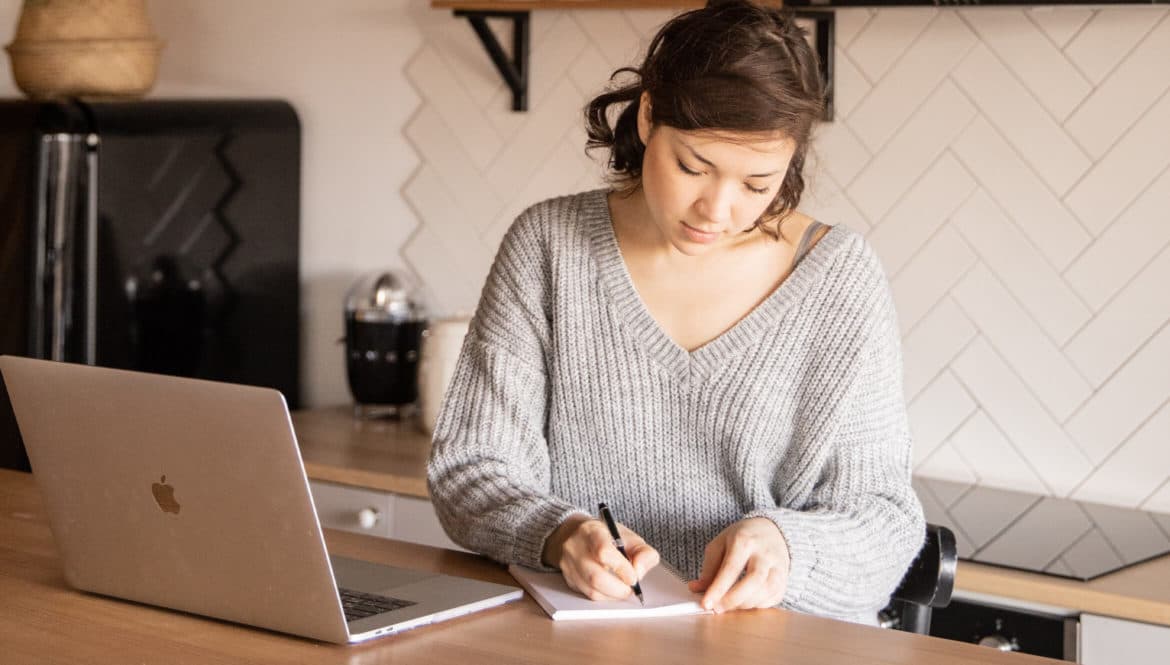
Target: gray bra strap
(805,239)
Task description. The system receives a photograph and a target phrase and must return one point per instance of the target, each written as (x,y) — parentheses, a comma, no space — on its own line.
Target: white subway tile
(885,37)
(449,290)
(1041,216)
(1021,417)
(946,465)
(824,200)
(929,276)
(1130,396)
(1109,36)
(849,86)
(993,458)
(911,81)
(1020,341)
(530,151)
(1127,245)
(925,208)
(848,23)
(464,184)
(1026,125)
(1135,469)
(1131,165)
(1159,501)
(648,21)
(934,342)
(590,72)
(911,151)
(1027,51)
(1021,268)
(936,413)
(611,34)
(840,153)
(442,91)
(1060,23)
(1124,96)
(1129,320)
(448,224)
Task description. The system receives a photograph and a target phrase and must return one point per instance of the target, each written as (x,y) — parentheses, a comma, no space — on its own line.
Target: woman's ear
(644,123)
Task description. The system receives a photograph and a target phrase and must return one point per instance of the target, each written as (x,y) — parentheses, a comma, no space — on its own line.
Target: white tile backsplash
(1028,144)
(1028,52)
(1131,88)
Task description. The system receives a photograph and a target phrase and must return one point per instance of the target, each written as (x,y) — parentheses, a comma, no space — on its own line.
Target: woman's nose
(716,203)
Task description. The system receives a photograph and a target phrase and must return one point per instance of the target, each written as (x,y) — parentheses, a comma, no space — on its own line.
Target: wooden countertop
(44,621)
(392,457)
(379,454)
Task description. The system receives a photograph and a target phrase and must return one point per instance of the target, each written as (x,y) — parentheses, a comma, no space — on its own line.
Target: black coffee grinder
(384,324)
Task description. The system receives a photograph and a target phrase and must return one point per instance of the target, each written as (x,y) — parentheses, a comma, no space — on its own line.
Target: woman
(721,369)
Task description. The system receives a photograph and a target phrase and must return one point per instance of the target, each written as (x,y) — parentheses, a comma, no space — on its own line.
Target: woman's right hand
(590,562)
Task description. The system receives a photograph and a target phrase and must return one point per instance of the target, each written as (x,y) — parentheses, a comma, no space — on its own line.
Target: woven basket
(85,67)
(84,48)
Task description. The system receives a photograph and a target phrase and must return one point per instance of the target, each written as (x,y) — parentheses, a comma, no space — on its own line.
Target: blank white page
(666,594)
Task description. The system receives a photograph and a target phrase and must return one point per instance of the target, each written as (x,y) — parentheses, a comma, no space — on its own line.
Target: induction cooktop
(1074,539)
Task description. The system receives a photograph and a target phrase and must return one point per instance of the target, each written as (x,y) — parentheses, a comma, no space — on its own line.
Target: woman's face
(703,189)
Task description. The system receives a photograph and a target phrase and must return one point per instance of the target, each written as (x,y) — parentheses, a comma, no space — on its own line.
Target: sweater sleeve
(852,540)
(488,472)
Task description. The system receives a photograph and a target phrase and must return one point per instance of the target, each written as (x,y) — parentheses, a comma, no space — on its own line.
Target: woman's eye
(755,190)
(684,169)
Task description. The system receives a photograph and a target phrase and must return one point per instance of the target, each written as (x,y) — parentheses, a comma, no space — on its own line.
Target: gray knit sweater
(567,393)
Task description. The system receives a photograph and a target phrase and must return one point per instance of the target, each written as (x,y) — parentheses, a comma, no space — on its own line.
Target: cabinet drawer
(344,507)
(415,522)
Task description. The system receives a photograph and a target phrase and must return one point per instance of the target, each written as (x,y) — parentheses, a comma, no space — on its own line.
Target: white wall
(1010,166)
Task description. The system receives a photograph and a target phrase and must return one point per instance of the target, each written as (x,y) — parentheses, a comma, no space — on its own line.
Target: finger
(610,558)
(750,588)
(644,558)
(605,584)
(729,570)
(712,557)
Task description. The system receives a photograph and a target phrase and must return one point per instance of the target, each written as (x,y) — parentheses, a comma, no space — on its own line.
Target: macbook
(191,495)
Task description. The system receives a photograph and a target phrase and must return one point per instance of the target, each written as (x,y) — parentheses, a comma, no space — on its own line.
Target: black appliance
(1003,628)
(160,236)
(1076,539)
(384,326)
(1042,534)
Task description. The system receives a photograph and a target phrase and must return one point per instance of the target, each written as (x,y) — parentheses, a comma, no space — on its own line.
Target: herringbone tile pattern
(1010,166)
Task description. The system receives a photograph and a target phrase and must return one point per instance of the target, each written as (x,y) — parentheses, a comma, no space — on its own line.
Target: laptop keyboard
(359,605)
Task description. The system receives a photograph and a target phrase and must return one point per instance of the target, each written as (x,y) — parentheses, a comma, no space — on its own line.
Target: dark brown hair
(732,66)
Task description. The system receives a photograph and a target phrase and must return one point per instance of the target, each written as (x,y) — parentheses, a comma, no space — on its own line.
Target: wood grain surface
(42,620)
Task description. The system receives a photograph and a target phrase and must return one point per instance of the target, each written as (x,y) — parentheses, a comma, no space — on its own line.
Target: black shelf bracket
(824,36)
(514,70)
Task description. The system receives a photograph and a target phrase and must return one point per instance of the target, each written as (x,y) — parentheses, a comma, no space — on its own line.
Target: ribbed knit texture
(567,393)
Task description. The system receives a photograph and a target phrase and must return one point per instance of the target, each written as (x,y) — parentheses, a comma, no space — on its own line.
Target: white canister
(440,351)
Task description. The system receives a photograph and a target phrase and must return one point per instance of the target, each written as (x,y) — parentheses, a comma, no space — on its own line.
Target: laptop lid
(191,495)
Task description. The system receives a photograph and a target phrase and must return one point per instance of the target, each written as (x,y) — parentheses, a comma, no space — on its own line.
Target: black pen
(617,540)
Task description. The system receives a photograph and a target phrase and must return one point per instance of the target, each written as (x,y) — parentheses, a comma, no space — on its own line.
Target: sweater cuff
(528,548)
(802,550)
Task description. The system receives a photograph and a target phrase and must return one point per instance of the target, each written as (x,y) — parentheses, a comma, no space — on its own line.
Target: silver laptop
(191,495)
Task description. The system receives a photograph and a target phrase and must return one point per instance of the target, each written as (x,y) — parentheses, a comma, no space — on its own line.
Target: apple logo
(164,494)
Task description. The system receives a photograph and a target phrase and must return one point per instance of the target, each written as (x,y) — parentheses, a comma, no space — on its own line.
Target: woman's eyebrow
(708,163)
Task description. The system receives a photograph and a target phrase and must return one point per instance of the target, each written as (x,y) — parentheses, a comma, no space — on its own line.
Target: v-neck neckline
(704,361)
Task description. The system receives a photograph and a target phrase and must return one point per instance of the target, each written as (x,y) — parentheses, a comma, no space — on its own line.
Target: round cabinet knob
(999,642)
(368,518)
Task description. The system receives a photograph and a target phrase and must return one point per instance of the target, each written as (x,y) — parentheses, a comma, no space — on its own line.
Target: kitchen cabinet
(378,513)
(1108,641)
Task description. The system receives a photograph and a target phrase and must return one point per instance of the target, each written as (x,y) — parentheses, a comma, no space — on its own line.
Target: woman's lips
(695,235)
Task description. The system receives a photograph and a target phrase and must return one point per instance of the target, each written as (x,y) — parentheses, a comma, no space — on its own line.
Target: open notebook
(665,592)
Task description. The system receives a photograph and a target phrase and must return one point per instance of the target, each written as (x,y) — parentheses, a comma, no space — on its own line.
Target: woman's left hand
(744,567)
